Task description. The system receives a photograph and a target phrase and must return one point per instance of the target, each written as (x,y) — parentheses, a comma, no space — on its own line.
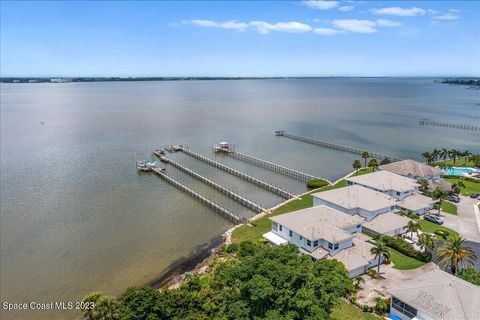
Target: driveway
(467,221)
(391,278)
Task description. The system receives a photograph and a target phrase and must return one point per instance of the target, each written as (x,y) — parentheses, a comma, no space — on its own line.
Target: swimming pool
(457,171)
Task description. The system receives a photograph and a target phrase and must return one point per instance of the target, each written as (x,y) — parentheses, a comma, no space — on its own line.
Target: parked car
(455,199)
(475,196)
(433,218)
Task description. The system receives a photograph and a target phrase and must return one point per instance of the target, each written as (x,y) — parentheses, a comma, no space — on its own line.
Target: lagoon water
(76,217)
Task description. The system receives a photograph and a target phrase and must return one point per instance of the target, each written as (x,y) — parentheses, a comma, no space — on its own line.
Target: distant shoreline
(20,80)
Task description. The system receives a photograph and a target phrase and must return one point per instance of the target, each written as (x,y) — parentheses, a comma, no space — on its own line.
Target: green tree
(440,195)
(475,159)
(90,300)
(428,157)
(365,156)
(466,156)
(471,275)
(426,241)
(381,305)
(107,308)
(454,255)
(423,185)
(356,165)
(380,250)
(357,281)
(413,227)
(142,303)
(373,163)
(385,161)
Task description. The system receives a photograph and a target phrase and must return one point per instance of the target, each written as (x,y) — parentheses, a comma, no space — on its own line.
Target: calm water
(76,217)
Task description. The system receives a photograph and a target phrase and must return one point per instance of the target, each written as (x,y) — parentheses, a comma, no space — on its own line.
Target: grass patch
(346,311)
(403,262)
(362,171)
(449,207)
(470,186)
(460,162)
(430,227)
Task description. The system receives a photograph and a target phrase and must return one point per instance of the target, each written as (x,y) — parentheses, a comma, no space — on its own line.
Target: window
(358,226)
(404,308)
(315,243)
(301,238)
(280,227)
(391,208)
(330,245)
(309,243)
(290,233)
(335,247)
(275,226)
(398,193)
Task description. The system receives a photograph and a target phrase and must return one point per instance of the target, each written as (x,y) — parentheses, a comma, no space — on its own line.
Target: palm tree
(428,157)
(426,241)
(466,154)
(423,185)
(440,195)
(436,154)
(373,163)
(107,308)
(443,154)
(455,255)
(356,165)
(380,250)
(385,161)
(89,299)
(454,154)
(365,155)
(357,281)
(412,227)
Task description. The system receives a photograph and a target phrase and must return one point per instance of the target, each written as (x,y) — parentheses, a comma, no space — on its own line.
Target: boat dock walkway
(209,203)
(265,185)
(273,166)
(281,133)
(235,196)
(428,122)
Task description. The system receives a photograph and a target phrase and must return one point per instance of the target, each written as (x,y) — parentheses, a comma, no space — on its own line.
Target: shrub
(367,308)
(413,216)
(372,273)
(471,275)
(461,178)
(317,183)
(381,305)
(442,233)
(407,249)
(387,261)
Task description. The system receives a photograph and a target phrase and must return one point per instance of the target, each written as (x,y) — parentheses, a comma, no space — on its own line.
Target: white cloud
(292,27)
(387,23)
(447,17)
(346,8)
(239,26)
(455,10)
(354,25)
(326,31)
(320,4)
(402,12)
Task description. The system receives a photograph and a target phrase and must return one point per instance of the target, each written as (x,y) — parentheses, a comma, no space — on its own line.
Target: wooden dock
(428,122)
(207,202)
(281,133)
(273,167)
(235,196)
(265,185)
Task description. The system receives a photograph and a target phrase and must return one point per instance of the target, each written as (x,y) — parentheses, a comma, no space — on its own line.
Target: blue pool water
(457,171)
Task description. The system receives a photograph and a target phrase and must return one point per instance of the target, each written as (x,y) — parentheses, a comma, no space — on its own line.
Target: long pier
(235,196)
(334,146)
(207,202)
(428,122)
(273,166)
(265,185)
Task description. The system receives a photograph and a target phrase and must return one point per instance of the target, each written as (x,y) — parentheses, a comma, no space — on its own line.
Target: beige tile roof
(385,181)
(356,256)
(411,167)
(440,295)
(318,253)
(320,222)
(416,202)
(356,196)
(433,184)
(386,222)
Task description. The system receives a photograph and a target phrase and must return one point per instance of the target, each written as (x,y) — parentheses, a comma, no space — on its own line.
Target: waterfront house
(413,169)
(387,224)
(356,199)
(435,295)
(386,182)
(323,232)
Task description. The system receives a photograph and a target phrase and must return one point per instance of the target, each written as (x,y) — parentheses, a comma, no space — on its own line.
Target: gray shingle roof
(385,181)
(412,168)
(386,222)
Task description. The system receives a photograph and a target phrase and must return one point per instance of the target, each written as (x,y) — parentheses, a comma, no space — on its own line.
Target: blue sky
(287,38)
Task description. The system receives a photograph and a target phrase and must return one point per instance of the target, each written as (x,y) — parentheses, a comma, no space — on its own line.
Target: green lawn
(459,163)
(470,186)
(430,227)
(402,261)
(449,207)
(346,311)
